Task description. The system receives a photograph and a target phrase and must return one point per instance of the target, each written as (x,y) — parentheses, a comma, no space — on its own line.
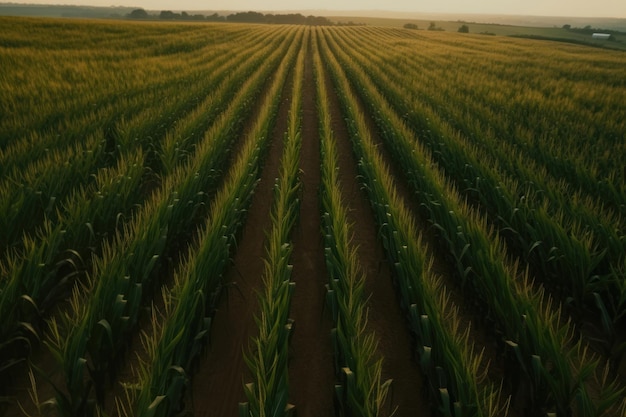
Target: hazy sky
(584,8)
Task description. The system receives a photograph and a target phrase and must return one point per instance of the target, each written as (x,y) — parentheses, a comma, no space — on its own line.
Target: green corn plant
(40,192)
(128,264)
(539,217)
(269,354)
(177,343)
(51,178)
(49,267)
(98,215)
(489,273)
(579,256)
(362,391)
(89,105)
(493,114)
(410,265)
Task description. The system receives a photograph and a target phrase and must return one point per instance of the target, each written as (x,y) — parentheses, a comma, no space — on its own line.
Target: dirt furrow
(217,387)
(385,317)
(444,268)
(311,378)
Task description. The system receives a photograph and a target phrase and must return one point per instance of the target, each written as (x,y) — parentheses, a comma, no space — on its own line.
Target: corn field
(201,219)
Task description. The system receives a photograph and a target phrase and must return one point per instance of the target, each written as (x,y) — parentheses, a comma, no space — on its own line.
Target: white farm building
(601,36)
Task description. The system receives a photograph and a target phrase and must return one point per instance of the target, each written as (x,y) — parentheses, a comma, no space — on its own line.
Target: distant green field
(553,33)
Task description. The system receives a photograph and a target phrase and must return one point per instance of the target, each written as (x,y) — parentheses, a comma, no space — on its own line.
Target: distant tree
(138,14)
(216,18)
(433,26)
(463,29)
(247,17)
(351,23)
(567,27)
(286,19)
(410,26)
(318,21)
(169,15)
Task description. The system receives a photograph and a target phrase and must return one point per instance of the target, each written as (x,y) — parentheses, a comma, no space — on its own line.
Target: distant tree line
(242,17)
(434,27)
(288,19)
(169,15)
(588,30)
(350,23)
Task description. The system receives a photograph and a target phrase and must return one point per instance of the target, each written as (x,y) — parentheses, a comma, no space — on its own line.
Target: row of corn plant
(268,354)
(555,129)
(567,239)
(541,104)
(108,108)
(40,191)
(99,84)
(454,371)
(204,90)
(437,124)
(549,363)
(30,152)
(358,364)
(104,314)
(42,187)
(571,247)
(45,184)
(177,338)
(206,111)
(464,249)
(416,102)
(179,143)
(47,269)
(476,127)
(43,273)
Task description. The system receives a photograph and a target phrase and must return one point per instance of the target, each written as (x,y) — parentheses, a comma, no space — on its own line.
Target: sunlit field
(254,220)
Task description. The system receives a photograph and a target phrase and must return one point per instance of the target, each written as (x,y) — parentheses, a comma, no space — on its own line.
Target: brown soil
(385,318)
(444,268)
(218,382)
(311,378)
